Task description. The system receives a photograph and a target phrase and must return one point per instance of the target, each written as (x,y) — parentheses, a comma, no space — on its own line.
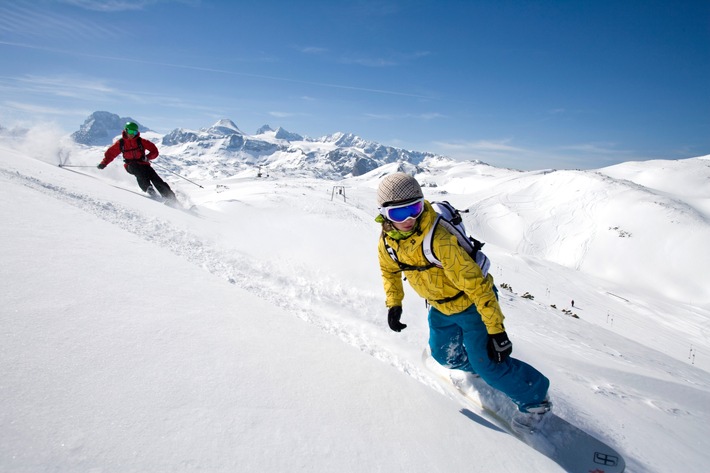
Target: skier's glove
(101,166)
(499,347)
(393,316)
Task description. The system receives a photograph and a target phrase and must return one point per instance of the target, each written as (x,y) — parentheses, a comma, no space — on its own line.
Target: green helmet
(131,128)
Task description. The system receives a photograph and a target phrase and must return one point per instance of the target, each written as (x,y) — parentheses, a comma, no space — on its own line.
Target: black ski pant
(145,175)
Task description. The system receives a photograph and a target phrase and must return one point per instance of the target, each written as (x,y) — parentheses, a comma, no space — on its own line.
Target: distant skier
(572,302)
(466,330)
(137,162)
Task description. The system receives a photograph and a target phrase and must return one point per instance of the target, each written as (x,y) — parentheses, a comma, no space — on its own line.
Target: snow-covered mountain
(223,150)
(101,128)
(250,334)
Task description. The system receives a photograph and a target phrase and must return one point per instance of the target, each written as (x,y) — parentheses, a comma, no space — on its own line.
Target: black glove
(499,347)
(101,166)
(393,316)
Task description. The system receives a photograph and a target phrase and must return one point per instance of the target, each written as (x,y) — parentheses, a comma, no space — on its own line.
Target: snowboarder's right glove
(101,166)
(393,316)
(499,347)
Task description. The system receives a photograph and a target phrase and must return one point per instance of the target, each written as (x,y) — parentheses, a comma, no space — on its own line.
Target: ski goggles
(400,213)
(132,132)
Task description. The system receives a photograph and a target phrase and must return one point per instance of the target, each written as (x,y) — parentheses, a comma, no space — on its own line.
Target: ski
(175,204)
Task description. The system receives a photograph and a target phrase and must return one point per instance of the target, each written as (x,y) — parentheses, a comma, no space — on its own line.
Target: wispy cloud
(86,93)
(420,116)
(391,60)
(58,86)
(500,152)
(282,114)
(597,148)
(480,146)
(505,153)
(17,20)
(25,114)
(108,5)
(430,116)
(368,61)
(33,108)
(122,5)
(381,116)
(222,71)
(311,49)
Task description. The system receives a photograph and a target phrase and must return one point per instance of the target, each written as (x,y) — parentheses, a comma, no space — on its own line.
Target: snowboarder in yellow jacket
(466,329)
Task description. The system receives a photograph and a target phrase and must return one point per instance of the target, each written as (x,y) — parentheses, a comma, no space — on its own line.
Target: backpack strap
(452,298)
(402,266)
(470,244)
(122,143)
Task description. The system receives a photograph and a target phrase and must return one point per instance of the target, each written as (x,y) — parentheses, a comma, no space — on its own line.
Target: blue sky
(521,84)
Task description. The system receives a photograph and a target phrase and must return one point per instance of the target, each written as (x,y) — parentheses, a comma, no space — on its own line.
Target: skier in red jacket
(137,162)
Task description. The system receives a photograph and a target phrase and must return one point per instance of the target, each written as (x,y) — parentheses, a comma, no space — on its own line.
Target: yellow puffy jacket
(459,273)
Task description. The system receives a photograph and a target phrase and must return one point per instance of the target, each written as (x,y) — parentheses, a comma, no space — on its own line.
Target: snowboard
(573,449)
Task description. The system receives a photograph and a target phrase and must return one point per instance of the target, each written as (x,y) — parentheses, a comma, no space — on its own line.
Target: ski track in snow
(293,293)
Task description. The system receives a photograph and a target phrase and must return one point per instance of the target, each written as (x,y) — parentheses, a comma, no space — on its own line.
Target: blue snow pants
(460,341)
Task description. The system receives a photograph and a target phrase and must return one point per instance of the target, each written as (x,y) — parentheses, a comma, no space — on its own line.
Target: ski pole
(73,166)
(178,175)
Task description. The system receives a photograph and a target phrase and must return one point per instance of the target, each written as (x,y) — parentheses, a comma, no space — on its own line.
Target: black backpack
(122,142)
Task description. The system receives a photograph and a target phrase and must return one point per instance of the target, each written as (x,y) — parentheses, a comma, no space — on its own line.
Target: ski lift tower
(338,190)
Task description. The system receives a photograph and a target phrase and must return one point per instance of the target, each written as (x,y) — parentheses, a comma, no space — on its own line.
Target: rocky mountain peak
(101,128)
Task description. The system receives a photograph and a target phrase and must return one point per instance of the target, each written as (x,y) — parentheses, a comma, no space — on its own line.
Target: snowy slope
(252,334)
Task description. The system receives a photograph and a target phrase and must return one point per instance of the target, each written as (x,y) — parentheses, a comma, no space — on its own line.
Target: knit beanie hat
(398,187)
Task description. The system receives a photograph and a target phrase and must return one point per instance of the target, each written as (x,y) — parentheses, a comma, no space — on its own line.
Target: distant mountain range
(223,150)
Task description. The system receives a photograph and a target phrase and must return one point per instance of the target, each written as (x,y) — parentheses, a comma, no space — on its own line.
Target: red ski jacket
(133,148)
